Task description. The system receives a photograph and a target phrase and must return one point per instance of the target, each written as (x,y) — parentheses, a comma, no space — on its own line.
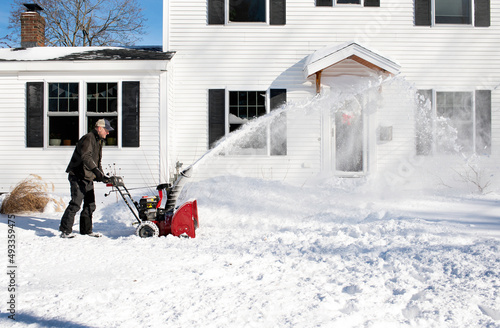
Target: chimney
(32,27)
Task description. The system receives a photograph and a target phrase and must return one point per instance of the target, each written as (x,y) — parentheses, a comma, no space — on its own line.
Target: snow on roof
(81,53)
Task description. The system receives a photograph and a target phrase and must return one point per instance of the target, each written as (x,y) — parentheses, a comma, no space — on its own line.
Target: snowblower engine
(148,208)
(159,215)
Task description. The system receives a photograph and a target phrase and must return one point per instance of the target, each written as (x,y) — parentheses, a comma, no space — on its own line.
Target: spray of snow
(431,159)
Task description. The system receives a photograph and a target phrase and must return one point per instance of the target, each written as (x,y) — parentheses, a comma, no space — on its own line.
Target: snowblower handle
(115,181)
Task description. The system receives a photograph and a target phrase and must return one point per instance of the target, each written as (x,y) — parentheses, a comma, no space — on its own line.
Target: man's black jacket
(87,156)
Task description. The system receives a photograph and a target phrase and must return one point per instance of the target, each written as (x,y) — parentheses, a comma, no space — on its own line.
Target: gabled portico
(331,56)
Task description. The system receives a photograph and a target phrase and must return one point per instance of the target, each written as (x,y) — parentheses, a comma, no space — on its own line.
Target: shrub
(29,195)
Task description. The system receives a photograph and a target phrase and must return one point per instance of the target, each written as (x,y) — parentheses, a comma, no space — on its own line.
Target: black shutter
(130,114)
(482,13)
(423,12)
(324,3)
(278,12)
(372,3)
(34,114)
(215,12)
(423,123)
(483,122)
(216,115)
(278,126)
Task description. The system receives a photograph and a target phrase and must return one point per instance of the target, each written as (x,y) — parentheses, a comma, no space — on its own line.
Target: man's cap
(104,123)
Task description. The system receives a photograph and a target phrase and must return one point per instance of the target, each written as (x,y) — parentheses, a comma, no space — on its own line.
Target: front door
(348,138)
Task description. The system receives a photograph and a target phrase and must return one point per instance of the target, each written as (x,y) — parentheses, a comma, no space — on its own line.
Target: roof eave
(83,66)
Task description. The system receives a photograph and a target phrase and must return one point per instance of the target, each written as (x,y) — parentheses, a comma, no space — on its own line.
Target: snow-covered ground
(266,254)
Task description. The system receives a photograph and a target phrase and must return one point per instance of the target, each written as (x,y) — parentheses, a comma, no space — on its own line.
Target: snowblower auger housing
(159,215)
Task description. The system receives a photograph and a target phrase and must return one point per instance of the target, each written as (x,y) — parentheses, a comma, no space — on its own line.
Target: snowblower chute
(159,215)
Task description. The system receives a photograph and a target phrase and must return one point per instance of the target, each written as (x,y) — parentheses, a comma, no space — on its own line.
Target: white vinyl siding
(139,166)
(241,56)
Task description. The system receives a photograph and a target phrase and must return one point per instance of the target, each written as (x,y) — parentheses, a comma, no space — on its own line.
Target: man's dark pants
(81,190)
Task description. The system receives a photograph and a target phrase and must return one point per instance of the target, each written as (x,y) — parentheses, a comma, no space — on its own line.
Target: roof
(331,55)
(81,53)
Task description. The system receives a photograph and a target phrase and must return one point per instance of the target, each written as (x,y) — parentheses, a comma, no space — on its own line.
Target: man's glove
(106,179)
(98,175)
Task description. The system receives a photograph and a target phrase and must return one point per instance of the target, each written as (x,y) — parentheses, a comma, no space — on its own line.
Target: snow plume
(251,138)
(409,145)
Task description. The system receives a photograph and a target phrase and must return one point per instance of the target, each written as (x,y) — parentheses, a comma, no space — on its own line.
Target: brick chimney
(32,27)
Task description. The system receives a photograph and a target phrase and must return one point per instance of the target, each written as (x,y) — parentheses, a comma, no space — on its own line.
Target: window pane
(455,117)
(63,97)
(252,99)
(53,105)
(252,112)
(453,11)
(247,10)
(102,97)
(357,2)
(63,130)
(73,90)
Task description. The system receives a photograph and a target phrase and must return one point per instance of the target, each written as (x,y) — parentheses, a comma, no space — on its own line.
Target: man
(83,169)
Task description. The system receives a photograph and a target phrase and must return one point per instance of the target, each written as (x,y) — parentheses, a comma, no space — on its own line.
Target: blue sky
(152,9)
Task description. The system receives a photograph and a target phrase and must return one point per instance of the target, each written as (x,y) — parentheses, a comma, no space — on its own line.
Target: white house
(52,96)
(236,60)
(229,52)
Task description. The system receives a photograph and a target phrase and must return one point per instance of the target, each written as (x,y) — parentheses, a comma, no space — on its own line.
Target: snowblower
(159,215)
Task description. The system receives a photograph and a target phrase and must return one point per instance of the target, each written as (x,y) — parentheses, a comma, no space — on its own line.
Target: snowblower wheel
(147,229)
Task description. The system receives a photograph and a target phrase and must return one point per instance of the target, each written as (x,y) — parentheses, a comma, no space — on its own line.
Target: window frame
(471,15)
(217,14)
(108,115)
(434,149)
(267,104)
(360,4)
(83,114)
(49,115)
(334,3)
(471,121)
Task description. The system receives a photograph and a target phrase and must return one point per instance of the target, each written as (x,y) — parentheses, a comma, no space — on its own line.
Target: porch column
(318,82)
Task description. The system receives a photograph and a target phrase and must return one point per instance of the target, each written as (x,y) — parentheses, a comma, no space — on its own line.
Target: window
(247,10)
(63,114)
(453,11)
(454,122)
(462,12)
(73,108)
(364,3)
(454,112)
(351,2)
(102,102)
(221,12)
(243,107)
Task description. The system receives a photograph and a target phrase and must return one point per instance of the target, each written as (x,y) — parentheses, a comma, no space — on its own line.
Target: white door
(348,144)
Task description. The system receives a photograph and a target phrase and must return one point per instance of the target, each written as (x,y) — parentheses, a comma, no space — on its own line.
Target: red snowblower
(159,215)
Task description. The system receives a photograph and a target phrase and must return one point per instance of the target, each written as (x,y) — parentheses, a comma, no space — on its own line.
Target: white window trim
(82,110)
(228,22)
(226,117)
(434,116)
